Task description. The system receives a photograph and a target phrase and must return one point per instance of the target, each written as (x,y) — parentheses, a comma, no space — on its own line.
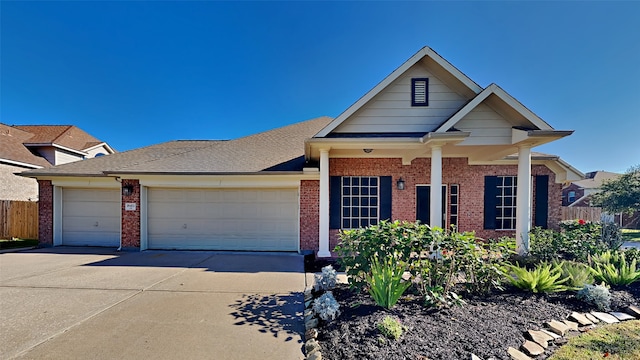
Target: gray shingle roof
(281,149)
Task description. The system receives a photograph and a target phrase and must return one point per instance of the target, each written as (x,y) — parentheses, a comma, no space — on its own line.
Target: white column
(323,239)
(435,219)
(523,200)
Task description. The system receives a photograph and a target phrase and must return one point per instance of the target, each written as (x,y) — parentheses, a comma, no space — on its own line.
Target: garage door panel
(91,217)
(223,219)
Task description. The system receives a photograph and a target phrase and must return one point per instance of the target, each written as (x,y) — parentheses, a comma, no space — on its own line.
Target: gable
(485,126)
(391,110)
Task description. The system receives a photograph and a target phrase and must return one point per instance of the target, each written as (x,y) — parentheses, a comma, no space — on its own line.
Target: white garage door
(91,217)
(223,219)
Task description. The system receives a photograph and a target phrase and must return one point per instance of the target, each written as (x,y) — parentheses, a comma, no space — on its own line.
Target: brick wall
(455,171)
(131,218)
(309,214)
(45,213)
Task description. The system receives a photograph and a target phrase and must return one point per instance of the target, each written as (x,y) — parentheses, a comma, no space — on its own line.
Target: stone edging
(535,343)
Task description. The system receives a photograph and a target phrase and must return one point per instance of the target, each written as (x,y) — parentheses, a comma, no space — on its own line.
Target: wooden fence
(584,213)
(18,219)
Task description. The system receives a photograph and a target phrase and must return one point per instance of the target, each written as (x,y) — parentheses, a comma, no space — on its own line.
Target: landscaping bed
(485,325)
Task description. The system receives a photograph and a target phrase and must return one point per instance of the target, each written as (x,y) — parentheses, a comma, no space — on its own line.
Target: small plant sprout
(326,280)
(326,307)
(391,327)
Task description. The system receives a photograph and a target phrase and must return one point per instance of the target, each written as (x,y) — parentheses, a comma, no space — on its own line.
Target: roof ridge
(69,127)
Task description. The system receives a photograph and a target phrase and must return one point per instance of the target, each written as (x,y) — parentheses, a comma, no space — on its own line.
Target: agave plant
(613,269)
(545,278)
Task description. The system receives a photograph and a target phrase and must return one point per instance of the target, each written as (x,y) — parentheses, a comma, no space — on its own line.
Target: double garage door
(198,219)
(223,219)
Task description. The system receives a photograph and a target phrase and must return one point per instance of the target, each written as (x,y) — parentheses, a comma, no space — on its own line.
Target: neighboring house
(24,147)
(426,143)
(578,193)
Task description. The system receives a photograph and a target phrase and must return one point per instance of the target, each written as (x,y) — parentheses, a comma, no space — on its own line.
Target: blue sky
(136,73)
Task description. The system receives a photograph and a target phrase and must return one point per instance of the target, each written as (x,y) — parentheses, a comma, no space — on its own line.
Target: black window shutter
(542,200)
(335,202)
(490,192)
(385,197)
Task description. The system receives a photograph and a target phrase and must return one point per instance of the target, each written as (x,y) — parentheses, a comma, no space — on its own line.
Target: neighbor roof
(13,151)
(596,180)
(281,149)
(68,136)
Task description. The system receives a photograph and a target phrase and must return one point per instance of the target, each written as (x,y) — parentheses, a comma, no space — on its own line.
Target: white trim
(423,53)
(436,186)
(106,146)
(80,152)
(523,200)
(144,218)
(58,193)
(18,163)
(504,96)
(101,182)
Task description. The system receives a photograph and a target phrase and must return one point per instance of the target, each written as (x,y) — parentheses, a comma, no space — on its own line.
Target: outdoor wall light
(127,190)
(400,184)
(367,151)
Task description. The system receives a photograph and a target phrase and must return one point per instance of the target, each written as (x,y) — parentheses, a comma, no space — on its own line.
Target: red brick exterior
(470,178)
(45,213)
(131,218)
(309,214)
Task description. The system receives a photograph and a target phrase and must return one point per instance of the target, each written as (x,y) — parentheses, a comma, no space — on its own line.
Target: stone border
(311,345)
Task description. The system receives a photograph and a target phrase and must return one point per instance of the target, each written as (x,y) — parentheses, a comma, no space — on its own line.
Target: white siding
(63,157)
(99,150)
(486,126)
(229,219)
(391,110)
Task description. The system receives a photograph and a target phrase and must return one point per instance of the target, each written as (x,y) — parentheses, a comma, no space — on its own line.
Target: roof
(595,179)
(281,149)
(68,136)
(13,151)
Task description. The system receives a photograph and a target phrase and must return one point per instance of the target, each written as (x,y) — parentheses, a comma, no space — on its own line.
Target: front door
(423,204)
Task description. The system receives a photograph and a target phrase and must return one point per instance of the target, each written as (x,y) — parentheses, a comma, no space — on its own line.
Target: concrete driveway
(88,303)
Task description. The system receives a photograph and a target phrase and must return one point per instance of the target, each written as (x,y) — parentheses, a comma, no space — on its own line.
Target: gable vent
(420,92)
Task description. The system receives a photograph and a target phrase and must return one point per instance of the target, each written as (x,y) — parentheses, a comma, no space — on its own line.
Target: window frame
(501,189)
(350,213)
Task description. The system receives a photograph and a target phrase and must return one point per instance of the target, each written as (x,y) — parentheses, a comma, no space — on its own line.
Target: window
(360,201)
(571,197)
(420,92)
(454,200)
(506,203)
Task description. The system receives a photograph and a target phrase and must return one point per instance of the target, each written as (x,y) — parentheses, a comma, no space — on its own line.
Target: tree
(621,194)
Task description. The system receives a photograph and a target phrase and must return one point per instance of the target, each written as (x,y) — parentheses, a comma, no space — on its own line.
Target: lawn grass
(631,235)
(614,342)
(17,243)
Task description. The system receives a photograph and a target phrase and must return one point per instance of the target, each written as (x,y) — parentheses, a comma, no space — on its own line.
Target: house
(24,147)
(578,192)
(426,143)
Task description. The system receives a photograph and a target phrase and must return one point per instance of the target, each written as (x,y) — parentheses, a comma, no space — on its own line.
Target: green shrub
(385,281)
(545,278)
(613,269)
(481,262)
(632,254)
(438,298)
(578,274)
(596,295)
(391,328)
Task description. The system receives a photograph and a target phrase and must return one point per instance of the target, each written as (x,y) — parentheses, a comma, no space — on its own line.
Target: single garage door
(223,219)
(91,217)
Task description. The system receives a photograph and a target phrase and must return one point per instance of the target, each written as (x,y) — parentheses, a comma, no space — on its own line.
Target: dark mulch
(485,325)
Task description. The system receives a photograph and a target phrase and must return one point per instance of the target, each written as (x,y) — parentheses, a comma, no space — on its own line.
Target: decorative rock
(315,356)
(307,304)
(311,346)
(557,327)
(475,357)
(517,354)
(311,334)
(580,318)
(592,318)
(622,316)
(604,317)
(571,325)
(532,348)
(307,294)
(634,310)
(539,337)
(553,335)
(311,324)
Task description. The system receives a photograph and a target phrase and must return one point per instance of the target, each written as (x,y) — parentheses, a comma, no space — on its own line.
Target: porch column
(523,200)
(323,240)
(435,209)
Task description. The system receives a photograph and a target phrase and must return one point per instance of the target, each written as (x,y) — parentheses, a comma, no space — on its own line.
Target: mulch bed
(485,325)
